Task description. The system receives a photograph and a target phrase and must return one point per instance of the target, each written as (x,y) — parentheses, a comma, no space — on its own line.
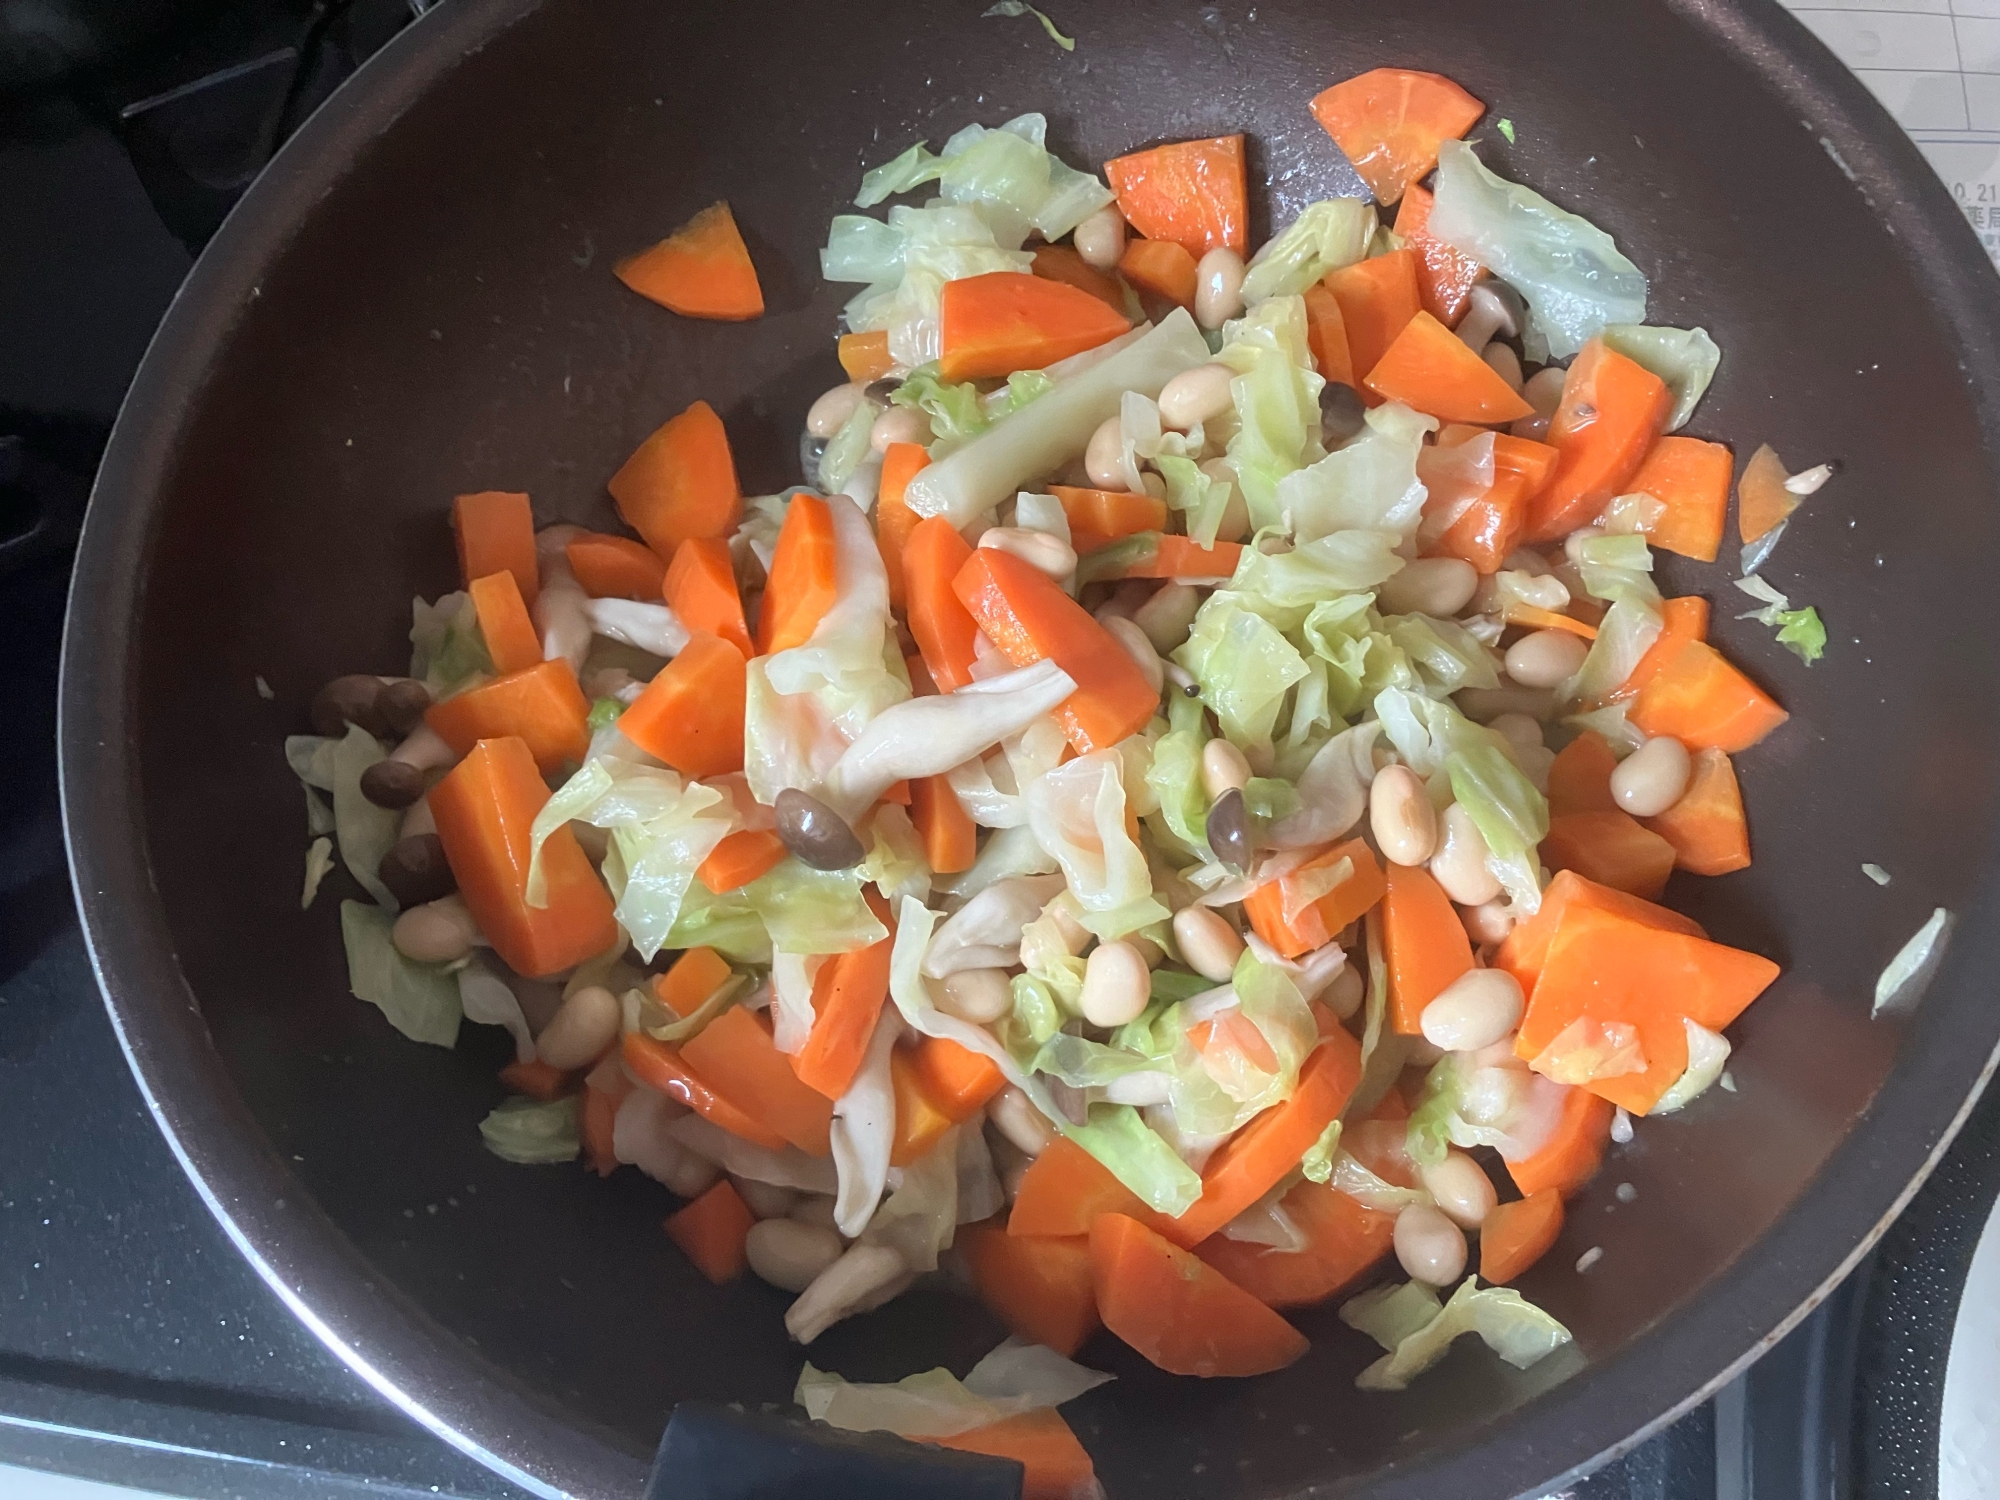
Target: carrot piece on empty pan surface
(509,634)
(615,567)
(700,585)
(1707,827)
(1691,479)
(1701,700)
(680,482)
(542,705)
(1516,1235)
(701,270)
(1040,1286)
(1195,193)
(1391,121)
(495,531)
(1055,1465)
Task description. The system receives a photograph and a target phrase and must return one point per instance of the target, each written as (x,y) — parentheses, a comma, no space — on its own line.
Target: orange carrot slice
(894,521)
(701,587)
(1391,121)
(920,1120)
(691,714)
(1762,502)
(680,482)
(949,836)
(805,576)
(958,1079)
(1161,267)
(697,974)
(1445,277)
(1178,1311)
(1702,701)
(541,705)
(1099,517)
(1377,298)
(945,631)
(735,1054)
(1195,193)
(847,1002)
(504,624)
(1425,944)
(1526,948)
(615,567)
(1315,924)
(1039,1287)
(1429,369)
(739,859)
(1004,321)
(1611,413)
(1573,1152)
(1326,332)
(1580,776)
(1683,619)
(485,809)
(865,356)
(596,1124)
(1612,848)
(495,531)
(1707,827)
(1343,1242)
(661,1068)
(1066,1189)
(1691,479)
(701,270)
(537,1080)
(1166,555)
(1055,1465)
(1516,1235)
(712,1232)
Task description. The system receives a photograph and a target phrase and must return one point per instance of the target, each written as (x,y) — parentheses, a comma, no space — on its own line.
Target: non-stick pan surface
(417,301)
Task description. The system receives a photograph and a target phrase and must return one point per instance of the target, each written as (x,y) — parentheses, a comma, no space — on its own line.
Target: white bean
(1545,658)
(1436,586)
(1104,458)
(829,414)
(1208,944)
(1042,550)
(981,996)
(1504,362)
(788,1254)
(438,932)
(1463,1191)
(1344,994)
(1430,1247)
(1167,616)
(1522,731)
(1477,1009)
(1652,778)
(1100,238)
(1197,395)
(1128,634)
(1459,861)
(899,424)
(582,1029)
(1401,816)
(1116,984)
(1487,923)
(1224,768)
(764,1199)
(1218,287)
(1025,1127)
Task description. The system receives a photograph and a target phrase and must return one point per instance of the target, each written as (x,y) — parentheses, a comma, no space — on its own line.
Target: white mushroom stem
(425,749)
(864,1130)
(650,627)
(560,602)
(1485,316)
(860,1281)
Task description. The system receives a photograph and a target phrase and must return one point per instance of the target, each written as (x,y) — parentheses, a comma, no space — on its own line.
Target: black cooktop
(135,1345)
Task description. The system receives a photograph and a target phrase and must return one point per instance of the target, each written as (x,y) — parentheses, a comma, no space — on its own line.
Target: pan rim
(421,1367)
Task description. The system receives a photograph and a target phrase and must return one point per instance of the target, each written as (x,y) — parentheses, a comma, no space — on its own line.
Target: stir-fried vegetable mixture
(1168,817)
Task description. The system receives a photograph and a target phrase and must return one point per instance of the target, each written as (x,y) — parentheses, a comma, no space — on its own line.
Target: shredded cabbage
(1324,238)
(1685,358)
(366,832)
(533,1132)
(419,1000)
(1708,1053)
(1799,630)
(1244,668)
(1909,969)
(955,411)
(1014,1379)
(447,652)
(1511,1326)
(1135,1154)
(1369,483)
(1077,814)
(1276,393)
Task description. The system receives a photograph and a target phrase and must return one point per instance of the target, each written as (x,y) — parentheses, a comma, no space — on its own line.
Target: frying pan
(416,301)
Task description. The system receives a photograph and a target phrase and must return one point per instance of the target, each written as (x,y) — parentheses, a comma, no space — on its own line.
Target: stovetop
(136,1346)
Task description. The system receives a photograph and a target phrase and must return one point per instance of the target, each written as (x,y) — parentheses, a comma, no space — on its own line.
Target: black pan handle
(714,1452)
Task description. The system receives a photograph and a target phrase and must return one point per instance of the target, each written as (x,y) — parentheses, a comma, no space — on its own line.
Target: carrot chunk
(504,624)
(805,576)
(739,859)
(1099,517)
(1445,277)
(894,520)
(1429,369)
(701,270)
(537,1080)
(1180,1312)
(1195,193)
(735,1054)
(1683,619)
(921,1121)
(1425,944)
(949,836)
(1573,1152)
(1612,848)
(1055,1465)
(1706,827)
(865,356)
(1377,298)
(847,1002)
(695,975)
(1762,502)
(485,809)
(1004,321)
(945,631)
(691,714)
(1580,776)
(1701,700)
(541,705)
(1391,121)
(495,531)
(700,585)
(1041,1288)
(957,1078)
(1161,267)
(1516,1235)
(712,1231)
(1315,923)
(680,482)
(1343,1241)
(1611,413)
(661,1068)
(597,1124)
(1691,479)
(615,567)
(1326,333)
(1066,1189)
(1526,948)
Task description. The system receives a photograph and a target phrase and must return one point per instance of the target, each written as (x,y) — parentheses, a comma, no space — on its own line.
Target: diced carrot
(1707,827)
(1028,616)
(1609,969)
(1516,1235)
(949,836)
(691,714)
(1612,848)
(1429,369)
(495,530)
(1326,332)
(1426,945)
(1691,479)
(921,1121)
(680,482)
(1762,501)
(1682,619)
(1701,700)
(1066,1189)
(1161,267)
(485,810)
(712,1231)
(739,859)
(615,567)
(1445,277)
(1098,517)
(1491,526)
(700,585)
(1611,413)
(701,270)
(865,356)
(1040,1288)
(735,1054)
(693,977)
(894,521)
(662,1068)
(537,1080)
(1180,1312)
(1531,618)
(1168,555)
(504,624)
(1524,461)
(1580,776)
(847,1001)
(1195,193)
(1377,298)
(1062,263)
(1391,122)
(1524,950)
(1055,1465)
(1255,1159)
(1343,1240)
(1315,924)
(1004,321)
(944,629)
(957,1078)
(805,576)
(596,1124)
(542,706)
(1571,1155)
